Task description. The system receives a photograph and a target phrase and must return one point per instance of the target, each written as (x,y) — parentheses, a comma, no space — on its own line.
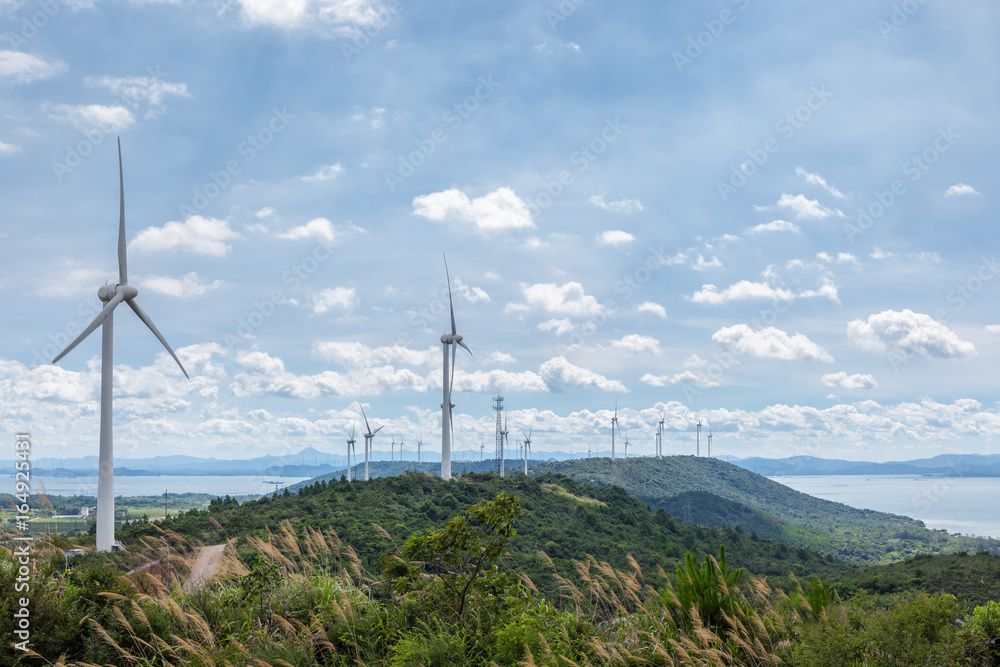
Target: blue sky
(776,216)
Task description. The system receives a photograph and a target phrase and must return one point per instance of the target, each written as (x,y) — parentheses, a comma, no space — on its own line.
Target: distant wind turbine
(659,434)
(369,436)
(698,449)
(392,451)
(452,340)
(614,423)
(503,443)
(527,448)
(112,296)
(626,442)
(400,447)
(420,443)
(350,447)
(709,441)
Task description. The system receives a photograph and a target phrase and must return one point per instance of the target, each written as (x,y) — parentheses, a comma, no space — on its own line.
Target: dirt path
(209,559)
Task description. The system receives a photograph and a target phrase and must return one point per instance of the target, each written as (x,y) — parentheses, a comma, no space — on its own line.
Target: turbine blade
(98,321)
(462,343)
(156,332)
(367,427)
(454,330)
(378,429)
(122,259)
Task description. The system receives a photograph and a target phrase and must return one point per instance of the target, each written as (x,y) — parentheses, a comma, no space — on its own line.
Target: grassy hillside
(566,520)
(716,493)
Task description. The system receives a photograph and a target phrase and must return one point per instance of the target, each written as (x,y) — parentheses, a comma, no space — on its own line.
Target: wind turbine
(614,423)
(420,443)
(698,450)
(527,448)
(659,436)
(350,447)
(452,340)
(369,436)
(400,447)
(112,296)
(482,448)
(709,441)
(392,452)
(503,443)
(626,442)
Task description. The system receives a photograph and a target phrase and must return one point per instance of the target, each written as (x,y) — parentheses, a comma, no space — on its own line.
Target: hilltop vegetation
(715,493)
(564,519)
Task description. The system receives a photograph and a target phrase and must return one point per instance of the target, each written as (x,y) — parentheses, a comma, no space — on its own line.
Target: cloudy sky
(779,217)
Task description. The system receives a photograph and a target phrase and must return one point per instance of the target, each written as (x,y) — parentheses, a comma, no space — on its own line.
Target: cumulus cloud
(559,326)
(200,235)
(341,298)
(358,354)
(185,288)
(774,226)
(686,377)
(568,299)
(637,344)
(615,237)
(500,209)
(620,206)
(654,308)
(327,173)
(746,289)
(960,189)
(769,343)
(470,293)
(340,16)
(87,117)
(25,68)
(7,149)
(909,335)
(844,381)
(134,91)
(703,265)
(803,207)
(816,179)
(559,375)
(317,228)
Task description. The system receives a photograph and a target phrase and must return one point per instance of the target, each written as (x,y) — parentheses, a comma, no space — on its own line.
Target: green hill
(565,519)
(715,493)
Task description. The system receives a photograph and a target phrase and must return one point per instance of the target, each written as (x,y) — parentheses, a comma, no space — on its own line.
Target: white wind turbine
(709,441)
(400,447)
(369,436)
(527,448)
(113,295)
(659,436)
(392,452)
(626,442)
(350,447)
(420,443)
(698,449)
(452,340)
(503,443)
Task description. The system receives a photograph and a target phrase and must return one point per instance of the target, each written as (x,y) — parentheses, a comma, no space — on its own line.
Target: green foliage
(983,626)
(709,591)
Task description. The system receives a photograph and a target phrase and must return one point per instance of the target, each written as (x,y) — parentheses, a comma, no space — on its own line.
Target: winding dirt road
(207,565)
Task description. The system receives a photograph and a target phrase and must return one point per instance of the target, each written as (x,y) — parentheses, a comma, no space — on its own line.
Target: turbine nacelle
(107,292)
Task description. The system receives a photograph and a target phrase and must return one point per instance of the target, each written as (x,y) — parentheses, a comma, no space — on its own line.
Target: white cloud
(470,293)
(87,117)
(344,298)
(500,209)
(774,226)
(637,344)
(878,253)
(559,374)
(816,179)
(620,206)
(740,291)
(769,343)
(806,208)
(615,237)
(568,299)
(200,235)
(374,116)
(685,377)
(25,68)
(7,149)
(909,335)
(993,328)
(960,189)
(341,16)
(362,356)
(844,381)
(317,228)
(559,326)
(265,212)
(185,288)
(498,357)
(135,90)
(327,173)
(654,308)
(703,265)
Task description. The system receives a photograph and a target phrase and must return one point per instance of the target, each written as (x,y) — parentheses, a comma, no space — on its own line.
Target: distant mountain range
(311,462)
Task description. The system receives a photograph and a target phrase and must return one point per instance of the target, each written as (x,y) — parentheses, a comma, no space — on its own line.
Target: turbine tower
(626,442)
(369,436)
(350,447)
(498,407)
(659,434)
(392,451)
(420,443)
(482,448)
(400,447)
(112,296)
(698,449)
(452,340)
(709,441)
(527,448)
(614,423)
(504,443)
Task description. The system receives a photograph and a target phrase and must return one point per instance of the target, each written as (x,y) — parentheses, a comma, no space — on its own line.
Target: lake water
(966,505)
(155,485)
